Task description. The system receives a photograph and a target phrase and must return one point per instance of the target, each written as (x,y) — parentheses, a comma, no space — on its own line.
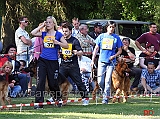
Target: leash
(92,72)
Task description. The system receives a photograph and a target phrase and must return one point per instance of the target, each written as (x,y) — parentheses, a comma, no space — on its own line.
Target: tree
(38,10)
(142,10)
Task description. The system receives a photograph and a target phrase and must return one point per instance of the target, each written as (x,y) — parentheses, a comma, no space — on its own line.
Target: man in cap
(97,30)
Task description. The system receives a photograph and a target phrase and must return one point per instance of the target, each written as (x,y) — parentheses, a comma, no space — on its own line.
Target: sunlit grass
(133,109)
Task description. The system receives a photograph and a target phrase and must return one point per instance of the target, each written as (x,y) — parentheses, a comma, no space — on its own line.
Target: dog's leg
(2,98)
(118,91)
(65,88)
(95,90)
(3,90)
(126,90)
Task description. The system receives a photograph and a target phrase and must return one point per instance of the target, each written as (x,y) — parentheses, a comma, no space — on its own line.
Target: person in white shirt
(85,68)
(22,39)
(75,23)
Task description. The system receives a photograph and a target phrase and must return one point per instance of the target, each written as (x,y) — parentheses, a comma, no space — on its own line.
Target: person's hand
(125,47)
(146,52)
(11,85)
(83,70)
(56,42)
(74,52)
(44,24)
(13,81)
(112,57)
(92,64)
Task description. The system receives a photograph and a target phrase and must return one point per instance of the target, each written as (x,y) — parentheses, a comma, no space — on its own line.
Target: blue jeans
(104,79)
(14,91)
(23,81)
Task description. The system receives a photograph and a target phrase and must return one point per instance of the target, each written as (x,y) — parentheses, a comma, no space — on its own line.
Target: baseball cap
(149,45)
(98,24)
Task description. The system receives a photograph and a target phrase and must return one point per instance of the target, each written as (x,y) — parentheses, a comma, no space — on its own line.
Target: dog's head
(32,67)
(122,66)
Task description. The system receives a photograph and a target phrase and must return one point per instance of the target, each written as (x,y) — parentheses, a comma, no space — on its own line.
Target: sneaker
(134,89)
(60,102)
(38,107)
(85,102)
(50,100)
(105,101)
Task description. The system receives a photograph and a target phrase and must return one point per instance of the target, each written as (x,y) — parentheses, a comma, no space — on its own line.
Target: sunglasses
(151,63)
(25,21)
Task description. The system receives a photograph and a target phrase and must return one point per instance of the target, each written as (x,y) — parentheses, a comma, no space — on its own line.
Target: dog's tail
(70,87)
(65,88)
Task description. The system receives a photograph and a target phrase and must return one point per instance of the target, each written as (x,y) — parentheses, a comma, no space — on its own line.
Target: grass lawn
(133,109)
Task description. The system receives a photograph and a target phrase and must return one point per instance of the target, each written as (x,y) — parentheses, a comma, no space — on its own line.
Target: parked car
(124,28)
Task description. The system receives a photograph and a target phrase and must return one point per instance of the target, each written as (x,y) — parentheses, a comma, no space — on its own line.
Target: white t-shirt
(74,32)
(20,45)
(85,62)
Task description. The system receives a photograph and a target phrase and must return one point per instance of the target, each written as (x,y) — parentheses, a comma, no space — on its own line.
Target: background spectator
(22,39)
(150,79)
(86,42)
(97,30)
(13,87)
(150,56)
(151,37)
(75,29)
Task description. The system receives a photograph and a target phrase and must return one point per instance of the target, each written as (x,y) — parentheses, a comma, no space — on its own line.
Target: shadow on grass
(134,107)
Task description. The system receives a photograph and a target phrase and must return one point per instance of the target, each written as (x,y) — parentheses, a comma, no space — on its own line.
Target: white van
(124,28)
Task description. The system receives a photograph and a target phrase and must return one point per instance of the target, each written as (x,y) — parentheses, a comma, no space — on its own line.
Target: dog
(64,84)
(120,81)
(4,91)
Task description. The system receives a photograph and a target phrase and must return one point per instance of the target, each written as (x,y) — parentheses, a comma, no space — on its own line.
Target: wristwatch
(128,51)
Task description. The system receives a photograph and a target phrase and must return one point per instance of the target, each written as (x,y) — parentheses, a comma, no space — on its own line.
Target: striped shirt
(86,47)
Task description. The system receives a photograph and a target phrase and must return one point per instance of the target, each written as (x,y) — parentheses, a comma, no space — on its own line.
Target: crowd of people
(79,51)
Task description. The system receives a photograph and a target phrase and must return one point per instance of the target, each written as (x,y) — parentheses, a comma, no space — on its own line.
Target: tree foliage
(38,10)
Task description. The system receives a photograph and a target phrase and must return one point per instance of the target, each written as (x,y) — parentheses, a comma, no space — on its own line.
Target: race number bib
(67,51)
(107,43)
(49,41)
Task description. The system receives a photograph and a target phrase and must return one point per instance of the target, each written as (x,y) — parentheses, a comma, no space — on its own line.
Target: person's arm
(63,42)
(131,53)
(78,53)
(140,47)
(117,54)
(37,32)
(141,62)
(82,42)
(26,41)
(143,81)
(91,41)
(94,54)
(158,67)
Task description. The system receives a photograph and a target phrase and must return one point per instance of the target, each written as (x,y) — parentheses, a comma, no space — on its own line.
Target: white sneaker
(50,100)
(105,101)
(85,102)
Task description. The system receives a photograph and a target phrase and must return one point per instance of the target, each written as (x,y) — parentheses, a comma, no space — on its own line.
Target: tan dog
(120,82)
(4,91)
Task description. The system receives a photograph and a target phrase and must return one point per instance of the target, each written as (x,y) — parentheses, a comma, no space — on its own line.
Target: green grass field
(133,109)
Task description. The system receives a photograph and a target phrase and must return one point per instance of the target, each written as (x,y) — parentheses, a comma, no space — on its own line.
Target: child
(14,87)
